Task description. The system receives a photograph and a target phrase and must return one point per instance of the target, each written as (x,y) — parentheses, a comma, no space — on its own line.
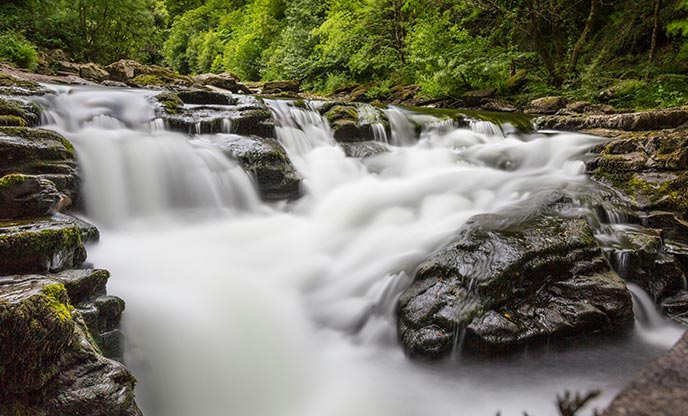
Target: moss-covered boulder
(170,102)
(37,246)
(39,152)
(346,126)
(36,328)
(26,196)
(93,72)
(17,113)
(127,71)
(505,284)
(50,363)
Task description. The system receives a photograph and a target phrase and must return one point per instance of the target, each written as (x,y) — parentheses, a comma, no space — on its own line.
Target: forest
(585,49)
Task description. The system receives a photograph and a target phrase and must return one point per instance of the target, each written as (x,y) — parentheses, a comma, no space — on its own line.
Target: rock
(363,150)
(39,152)
(225,81)
(255,123)
(346,128)
(659,389)
(49,364)
(205,97)
(133,73)
(499,106)
(641,121)
(276,87)
(475,98)
(93,72)
(42,245)
(10,85)
(403,94)
(22,114)
(170,102)
(25,196)
(546,105)
(67,68)
(506,285)
(267,161)
(677,307)
(110,83)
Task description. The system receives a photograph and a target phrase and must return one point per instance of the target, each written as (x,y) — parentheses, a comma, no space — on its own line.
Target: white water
(235,307)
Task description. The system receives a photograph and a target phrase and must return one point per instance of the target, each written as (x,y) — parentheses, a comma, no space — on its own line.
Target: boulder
(277,87)
(39,152)
(170,102)
(516,81)
(267,161)
(49,363)
(133,73)
(505,284)
(546,105)
(475,98)
(18,114)
(205,97)
(93,72)
(659,389)
(498,106)
(345,124)
(10,85)
(26,196)
(42,245)
(640,121)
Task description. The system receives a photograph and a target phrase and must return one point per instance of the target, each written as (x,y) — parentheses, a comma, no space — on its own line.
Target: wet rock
(18,114)
(10,85)
(93,72)
(39,152)
(506,285)
(255,123)
(659,389)
(110,83)
(676,307)
(363,150)
(546,105)
(170,102)
(43,245)
(50,363)
(225,81)
(205,97)
(346,127)
(475,98)
(277,87)
(25,196)
(267,161)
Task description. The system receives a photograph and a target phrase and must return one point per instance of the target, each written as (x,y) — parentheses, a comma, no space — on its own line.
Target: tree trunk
(578,47)
(399,31)
(655,32)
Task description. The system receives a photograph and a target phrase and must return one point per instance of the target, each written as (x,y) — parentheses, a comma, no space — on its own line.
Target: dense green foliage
(627,52)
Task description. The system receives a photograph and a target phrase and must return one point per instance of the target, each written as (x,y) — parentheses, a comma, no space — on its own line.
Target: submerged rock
(659,389)
(504,285)
(364,149)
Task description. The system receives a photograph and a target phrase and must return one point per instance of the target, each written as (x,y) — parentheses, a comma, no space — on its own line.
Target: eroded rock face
(225,81)
(39,152)
(506,285)
(641,121)
(26,196)
(659,389)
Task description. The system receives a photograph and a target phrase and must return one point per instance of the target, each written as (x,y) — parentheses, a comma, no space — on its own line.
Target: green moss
(12,121)
(146,80)
(11,181)
(58,301)
(341,112)
(40,135)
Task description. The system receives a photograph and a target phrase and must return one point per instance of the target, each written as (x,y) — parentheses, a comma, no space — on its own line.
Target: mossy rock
(12,121)
(10,110)
(36,328)
(147,81)
(170,102)
(341,112)
(39,246)
(10,85)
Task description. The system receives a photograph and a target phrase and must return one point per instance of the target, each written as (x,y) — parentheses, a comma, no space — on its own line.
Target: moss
(39,135)
(341,112)
(146,80)
(12,121)
(58,301)
(11,181)
(170,102)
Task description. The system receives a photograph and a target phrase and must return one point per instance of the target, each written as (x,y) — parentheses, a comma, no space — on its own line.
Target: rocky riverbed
(558,277)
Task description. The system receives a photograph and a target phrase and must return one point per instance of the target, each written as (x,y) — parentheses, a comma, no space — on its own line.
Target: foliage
(16,49)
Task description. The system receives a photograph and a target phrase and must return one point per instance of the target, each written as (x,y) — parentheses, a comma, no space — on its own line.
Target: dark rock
(403,94)
(659,389)
(37,246)
(170,102)
(24,196)
(205,97)
(276,87)
(267,161)
(509,284)
(546,105)
(677,307)
(39,152)
(22,114)
(475,98)
(255,123)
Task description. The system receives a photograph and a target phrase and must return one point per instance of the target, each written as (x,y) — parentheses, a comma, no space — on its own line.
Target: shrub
(16,49)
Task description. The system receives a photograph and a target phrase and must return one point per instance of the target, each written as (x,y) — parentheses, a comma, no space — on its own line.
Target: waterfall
(239,307)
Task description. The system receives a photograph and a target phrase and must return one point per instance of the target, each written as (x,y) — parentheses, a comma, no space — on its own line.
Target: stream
(240,307)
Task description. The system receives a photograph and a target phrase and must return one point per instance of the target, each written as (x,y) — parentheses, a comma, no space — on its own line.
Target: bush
(16,49)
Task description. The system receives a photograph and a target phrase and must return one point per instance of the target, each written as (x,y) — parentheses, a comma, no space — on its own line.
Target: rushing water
(243,308)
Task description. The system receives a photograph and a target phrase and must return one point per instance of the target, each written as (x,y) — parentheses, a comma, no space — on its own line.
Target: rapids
(238,307)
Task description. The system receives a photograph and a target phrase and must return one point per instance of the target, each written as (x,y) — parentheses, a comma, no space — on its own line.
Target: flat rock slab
(659,390)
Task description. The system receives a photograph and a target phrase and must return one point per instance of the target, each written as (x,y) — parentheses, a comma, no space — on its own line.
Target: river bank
(645,170)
